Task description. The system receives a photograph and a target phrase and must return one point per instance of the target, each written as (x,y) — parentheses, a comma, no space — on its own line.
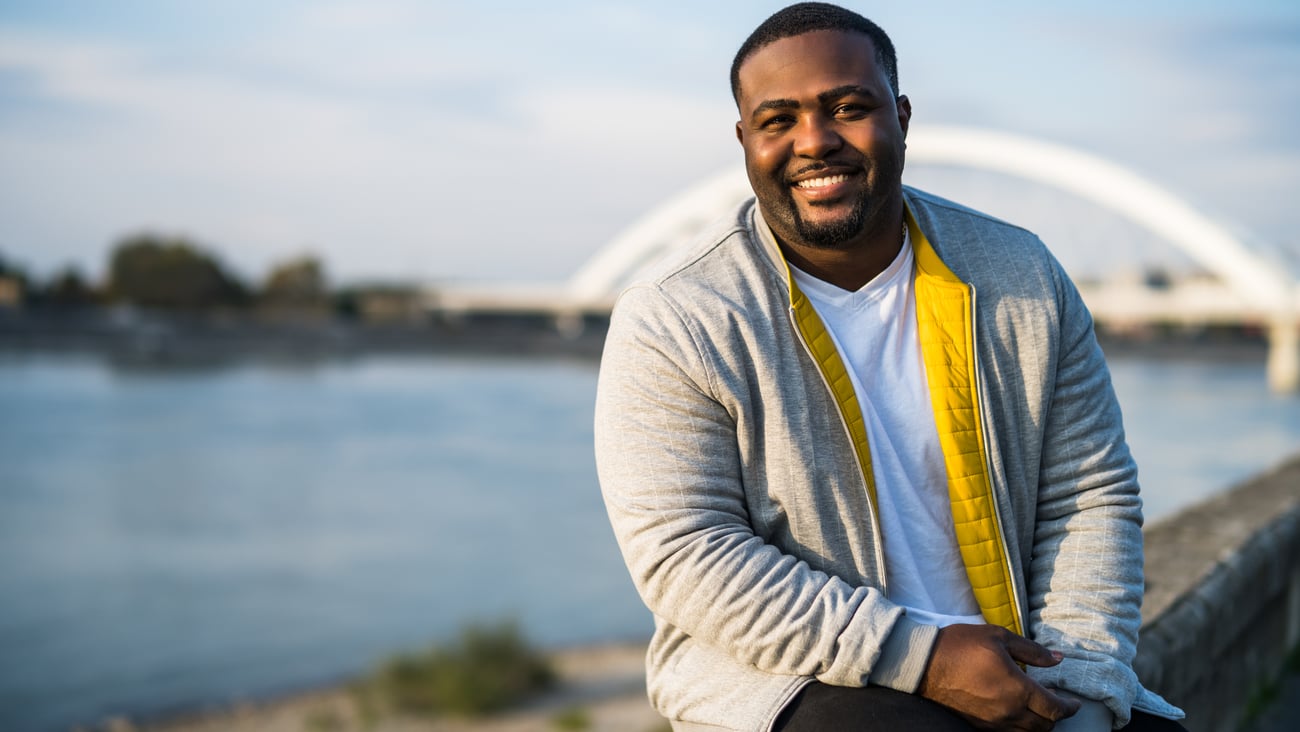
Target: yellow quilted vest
(945,321)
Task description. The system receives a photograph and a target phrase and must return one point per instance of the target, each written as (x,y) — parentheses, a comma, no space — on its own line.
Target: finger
(1024,721)
(1024,650)
(1049,706)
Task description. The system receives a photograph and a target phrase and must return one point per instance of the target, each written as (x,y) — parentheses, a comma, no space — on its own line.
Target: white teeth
(822,182)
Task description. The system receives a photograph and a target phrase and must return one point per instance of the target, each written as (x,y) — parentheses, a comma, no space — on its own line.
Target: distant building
(387,304)
(11,292)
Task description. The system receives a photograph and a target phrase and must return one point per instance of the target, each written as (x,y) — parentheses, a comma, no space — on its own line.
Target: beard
(834,234)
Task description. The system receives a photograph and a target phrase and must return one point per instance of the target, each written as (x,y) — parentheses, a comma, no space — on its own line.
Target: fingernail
(1058,655)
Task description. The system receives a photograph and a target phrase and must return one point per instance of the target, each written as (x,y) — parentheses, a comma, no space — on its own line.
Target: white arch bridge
(1247,289)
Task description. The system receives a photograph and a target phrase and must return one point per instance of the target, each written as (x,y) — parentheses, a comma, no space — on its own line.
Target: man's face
(824,139)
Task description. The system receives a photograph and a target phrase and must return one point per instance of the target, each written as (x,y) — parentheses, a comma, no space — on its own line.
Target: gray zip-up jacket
(738,482)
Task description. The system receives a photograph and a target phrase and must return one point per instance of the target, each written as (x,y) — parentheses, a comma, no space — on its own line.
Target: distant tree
(162,272)
(68,288)
(11,269)
(296,283)
(346,303)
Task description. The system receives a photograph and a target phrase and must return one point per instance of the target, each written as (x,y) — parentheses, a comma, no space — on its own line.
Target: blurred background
(242,449)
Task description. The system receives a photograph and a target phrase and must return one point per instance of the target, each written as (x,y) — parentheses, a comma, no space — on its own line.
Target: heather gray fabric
(732,488)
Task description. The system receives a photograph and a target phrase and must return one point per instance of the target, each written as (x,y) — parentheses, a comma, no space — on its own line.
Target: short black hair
(808,17)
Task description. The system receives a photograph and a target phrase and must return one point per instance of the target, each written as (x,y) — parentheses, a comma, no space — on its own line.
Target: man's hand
(973,672)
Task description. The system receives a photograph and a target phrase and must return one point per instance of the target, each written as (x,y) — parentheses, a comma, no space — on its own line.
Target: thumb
(1025,651)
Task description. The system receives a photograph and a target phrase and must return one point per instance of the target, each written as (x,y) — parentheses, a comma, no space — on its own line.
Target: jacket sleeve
(670,471)
(1085,577)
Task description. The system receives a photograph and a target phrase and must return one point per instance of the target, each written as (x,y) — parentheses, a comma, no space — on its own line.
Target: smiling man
(859,445)
(824,137)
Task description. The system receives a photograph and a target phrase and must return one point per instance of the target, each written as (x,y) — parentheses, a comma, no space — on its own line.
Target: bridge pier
(1284,355)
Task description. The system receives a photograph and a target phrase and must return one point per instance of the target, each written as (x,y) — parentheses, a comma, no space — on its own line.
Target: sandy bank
(603,684)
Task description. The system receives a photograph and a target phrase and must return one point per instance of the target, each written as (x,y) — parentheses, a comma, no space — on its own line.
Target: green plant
(573,718)
(366,702)
(488,669)
(1266,694)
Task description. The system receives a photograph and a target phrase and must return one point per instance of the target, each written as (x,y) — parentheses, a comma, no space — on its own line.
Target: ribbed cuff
(905,655)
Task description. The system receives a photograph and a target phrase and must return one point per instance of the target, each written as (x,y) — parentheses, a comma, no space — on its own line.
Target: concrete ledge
(1223,598)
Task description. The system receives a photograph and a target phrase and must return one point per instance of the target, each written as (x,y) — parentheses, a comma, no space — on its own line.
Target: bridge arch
(1092,178)
(670,225)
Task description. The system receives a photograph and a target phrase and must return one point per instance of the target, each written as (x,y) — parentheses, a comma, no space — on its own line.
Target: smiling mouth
(823,182)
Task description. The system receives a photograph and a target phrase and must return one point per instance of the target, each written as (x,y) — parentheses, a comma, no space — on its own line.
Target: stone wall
(1222,607)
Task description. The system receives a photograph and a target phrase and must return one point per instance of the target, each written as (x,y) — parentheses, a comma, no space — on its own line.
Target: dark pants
(819,708)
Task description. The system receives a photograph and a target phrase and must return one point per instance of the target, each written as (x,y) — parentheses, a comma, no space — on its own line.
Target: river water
(173,538)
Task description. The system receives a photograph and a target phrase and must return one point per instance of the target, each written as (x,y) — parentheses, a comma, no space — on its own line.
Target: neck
(856,263)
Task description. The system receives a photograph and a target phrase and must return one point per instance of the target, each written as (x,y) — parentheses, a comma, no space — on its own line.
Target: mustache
(820,165)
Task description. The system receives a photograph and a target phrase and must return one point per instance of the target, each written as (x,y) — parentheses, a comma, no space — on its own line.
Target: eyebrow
(826,96)
(844,91)
(774,104)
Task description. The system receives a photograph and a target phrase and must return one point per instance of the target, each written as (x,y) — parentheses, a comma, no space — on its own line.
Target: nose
(816,136)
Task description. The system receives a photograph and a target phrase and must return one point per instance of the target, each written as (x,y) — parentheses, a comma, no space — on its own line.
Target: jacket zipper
(871,507)
(988,466)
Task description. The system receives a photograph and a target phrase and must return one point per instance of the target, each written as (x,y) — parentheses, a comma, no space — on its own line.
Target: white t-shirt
(875,331)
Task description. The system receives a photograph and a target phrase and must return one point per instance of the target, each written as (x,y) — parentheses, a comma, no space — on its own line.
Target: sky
(435,141)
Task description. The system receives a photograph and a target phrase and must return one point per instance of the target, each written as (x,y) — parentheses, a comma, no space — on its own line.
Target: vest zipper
(988,467)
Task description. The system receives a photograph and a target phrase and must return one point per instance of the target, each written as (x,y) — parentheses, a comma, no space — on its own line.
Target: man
(859,446)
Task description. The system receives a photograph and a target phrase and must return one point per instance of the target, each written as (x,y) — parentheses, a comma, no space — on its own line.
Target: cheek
(885,145)
(867,141)
(765,159)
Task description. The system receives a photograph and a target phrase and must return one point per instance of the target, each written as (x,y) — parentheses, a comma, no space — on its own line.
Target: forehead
(803,65)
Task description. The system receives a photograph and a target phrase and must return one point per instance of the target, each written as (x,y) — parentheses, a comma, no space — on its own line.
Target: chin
(836,231)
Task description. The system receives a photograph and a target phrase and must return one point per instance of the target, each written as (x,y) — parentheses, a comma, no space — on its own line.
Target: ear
(740,134)
(904,112)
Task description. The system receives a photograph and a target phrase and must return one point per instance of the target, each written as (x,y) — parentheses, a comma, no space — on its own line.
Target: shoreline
(163,338)
(144,338)
(602,684)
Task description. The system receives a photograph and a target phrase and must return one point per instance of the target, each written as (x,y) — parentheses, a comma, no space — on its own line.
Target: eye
(776,122)
(850,110)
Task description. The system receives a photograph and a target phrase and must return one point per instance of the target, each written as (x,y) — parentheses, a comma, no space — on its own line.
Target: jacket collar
(928,262)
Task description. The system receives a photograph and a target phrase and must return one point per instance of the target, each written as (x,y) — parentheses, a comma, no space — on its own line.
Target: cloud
(382,184)
(434,139)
